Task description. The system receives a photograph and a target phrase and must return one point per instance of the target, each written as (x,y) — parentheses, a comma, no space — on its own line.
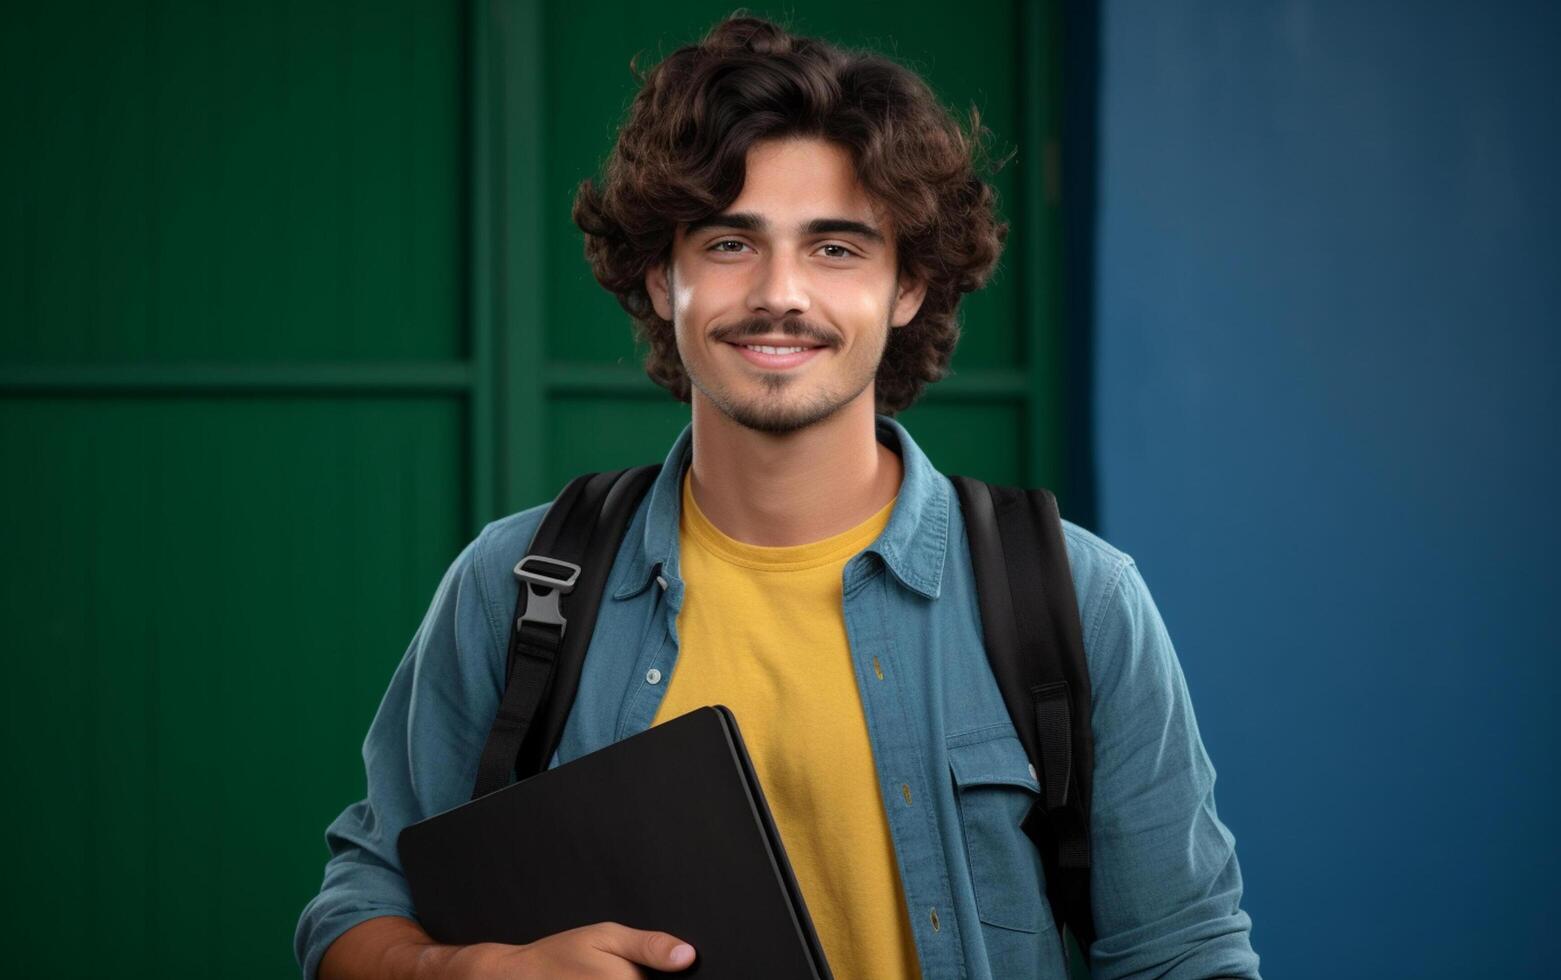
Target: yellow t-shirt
(762,631)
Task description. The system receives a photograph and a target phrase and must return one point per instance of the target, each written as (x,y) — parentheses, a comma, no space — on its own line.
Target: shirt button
(661,582)
(653,676)
(1032,772)
(905,790)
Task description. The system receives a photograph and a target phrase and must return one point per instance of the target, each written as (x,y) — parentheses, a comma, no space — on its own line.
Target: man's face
(802,259)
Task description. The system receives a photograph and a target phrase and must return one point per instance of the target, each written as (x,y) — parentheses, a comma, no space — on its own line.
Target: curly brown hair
(681,156)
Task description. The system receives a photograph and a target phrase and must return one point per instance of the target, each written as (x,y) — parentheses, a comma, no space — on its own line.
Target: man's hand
(605,950)
(397,948)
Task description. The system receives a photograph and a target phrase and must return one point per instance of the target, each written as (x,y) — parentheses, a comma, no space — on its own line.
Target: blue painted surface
(1325,398)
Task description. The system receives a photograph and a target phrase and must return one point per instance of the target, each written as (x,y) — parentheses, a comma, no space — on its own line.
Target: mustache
(791,327)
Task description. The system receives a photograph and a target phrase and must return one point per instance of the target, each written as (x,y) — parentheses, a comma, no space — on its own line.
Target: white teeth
(774,350)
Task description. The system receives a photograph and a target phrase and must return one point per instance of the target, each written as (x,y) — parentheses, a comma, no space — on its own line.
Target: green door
(290,306)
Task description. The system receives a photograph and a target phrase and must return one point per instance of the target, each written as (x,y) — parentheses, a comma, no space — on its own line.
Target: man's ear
(660,290)
(908,296)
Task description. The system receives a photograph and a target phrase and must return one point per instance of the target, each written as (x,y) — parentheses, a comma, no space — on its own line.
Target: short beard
(778,420)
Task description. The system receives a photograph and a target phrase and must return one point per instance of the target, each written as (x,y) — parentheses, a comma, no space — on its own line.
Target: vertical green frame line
(1038,238)
(515,148)
(485,487)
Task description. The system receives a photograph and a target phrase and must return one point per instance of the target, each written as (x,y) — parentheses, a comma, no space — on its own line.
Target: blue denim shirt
(1167,888)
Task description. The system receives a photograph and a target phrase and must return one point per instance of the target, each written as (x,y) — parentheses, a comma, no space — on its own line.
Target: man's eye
(727,241)
(844,252)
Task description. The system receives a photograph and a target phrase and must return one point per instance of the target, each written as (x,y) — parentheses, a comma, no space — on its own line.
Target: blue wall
(1325,400)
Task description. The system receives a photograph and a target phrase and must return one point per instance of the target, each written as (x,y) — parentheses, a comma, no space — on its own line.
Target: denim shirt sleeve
(420,756)
(1166,884)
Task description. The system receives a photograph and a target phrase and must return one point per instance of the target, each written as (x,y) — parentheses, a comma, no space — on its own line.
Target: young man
(792,228)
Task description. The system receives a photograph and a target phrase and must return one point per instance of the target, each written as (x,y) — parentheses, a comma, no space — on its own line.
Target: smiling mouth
(776,357)
(767,349)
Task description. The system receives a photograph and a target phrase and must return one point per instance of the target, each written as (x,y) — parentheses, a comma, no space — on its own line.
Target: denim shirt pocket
(994,790)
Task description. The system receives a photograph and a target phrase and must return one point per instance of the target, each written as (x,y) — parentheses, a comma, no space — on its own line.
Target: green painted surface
(971,438)
(234,424)
(211,594)
(203,181)
(264,370)
(589,433)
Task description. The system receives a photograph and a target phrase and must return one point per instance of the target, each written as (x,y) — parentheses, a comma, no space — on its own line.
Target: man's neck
(781,490)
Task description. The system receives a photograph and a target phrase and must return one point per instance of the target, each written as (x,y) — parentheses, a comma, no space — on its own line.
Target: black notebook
(665,830)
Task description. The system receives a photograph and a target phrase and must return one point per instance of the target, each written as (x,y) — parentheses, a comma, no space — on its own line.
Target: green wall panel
(978,439)
(202,181)
(208,599)
(607,433)
(234,329)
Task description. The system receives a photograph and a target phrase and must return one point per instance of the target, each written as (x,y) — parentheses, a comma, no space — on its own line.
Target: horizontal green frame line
(425,377)
(582,378)
(983,383)
(436,377)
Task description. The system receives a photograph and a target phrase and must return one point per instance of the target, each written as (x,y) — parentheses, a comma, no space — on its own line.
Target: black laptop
(665,830)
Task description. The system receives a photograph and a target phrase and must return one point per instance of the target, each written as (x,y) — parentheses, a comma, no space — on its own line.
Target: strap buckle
(545,579)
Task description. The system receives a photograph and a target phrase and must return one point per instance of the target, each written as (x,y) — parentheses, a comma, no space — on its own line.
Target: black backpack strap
(1030,622)
(561,583)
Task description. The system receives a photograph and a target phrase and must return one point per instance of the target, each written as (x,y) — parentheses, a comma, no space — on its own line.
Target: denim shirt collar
(913,544)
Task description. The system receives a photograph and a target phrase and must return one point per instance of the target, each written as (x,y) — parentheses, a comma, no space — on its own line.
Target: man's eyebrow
(748,221)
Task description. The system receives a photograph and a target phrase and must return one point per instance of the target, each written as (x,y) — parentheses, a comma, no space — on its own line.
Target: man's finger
(658,950)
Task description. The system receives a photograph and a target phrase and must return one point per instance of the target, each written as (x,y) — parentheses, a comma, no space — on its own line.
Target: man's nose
(779,287)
